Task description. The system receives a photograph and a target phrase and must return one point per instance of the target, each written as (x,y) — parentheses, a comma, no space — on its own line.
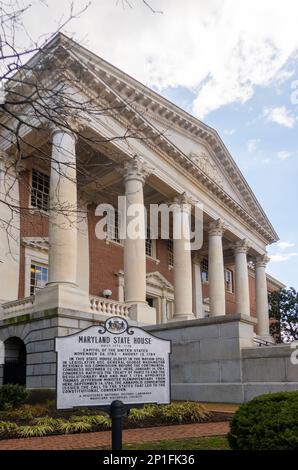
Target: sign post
(114,367)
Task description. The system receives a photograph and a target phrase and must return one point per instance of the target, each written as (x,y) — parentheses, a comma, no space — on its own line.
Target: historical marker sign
(112,362)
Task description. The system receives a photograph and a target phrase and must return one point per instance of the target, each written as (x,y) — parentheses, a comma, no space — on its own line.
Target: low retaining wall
(214,360)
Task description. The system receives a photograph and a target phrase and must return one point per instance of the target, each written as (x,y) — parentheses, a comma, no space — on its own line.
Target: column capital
(241,246)
(72,128)
(197,258)
(217,227)
(136,169)
(261,261)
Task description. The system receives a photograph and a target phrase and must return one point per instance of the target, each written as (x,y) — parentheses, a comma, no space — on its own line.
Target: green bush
(176,412)
(268,422)
(12,395)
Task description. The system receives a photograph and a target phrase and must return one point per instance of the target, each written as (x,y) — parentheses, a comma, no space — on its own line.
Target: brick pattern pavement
(130,436)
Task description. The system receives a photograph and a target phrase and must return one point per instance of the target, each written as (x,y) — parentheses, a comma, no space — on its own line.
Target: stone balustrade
(108,307)
(17,307)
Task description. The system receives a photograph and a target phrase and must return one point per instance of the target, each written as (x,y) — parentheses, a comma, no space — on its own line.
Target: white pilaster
(182,268)
(197,286)
(262,308)
(241,277)
(217,295)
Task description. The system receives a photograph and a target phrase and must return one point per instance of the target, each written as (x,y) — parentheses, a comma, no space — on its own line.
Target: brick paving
(130,436)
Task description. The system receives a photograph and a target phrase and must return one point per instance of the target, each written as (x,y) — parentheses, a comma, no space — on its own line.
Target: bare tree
(43,87)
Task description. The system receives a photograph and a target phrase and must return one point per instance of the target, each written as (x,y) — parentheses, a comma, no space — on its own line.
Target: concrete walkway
(98,439)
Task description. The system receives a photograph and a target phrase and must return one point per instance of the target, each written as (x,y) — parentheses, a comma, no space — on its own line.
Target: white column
(262,296)
(217,294)
(134,243)
(182,259)
(63,210)
(241,277)
(197,286)
(164,318)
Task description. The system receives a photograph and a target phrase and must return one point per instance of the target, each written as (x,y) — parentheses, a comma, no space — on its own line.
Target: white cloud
(229,131)
(280,115)
(284,245)
(219,49)
(279,257)
(284,154)
(252,145)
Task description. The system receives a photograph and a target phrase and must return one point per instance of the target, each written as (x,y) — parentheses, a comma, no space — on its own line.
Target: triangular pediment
(158,280)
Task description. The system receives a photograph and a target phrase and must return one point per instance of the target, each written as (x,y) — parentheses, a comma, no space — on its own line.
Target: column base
(142,313)
(63,296)
(183,317)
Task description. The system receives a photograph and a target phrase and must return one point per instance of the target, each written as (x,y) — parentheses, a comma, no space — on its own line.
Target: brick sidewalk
(130,436)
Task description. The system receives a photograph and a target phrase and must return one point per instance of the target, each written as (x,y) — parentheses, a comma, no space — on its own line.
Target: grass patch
(194,443)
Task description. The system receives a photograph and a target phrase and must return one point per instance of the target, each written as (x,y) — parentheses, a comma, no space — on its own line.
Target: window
(204,270)
(149,244)
(40,190)
(170,253)
(229,280)
(38,277)
(113,226)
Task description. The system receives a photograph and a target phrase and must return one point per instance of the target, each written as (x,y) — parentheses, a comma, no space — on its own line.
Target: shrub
(24,412)
(95,420)
(72,426)
(176,412)
(268,422)
(34,431)
(6,426)
(183,412)
(12,395)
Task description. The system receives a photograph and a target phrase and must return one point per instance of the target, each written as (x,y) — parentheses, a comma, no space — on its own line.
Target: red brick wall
(106,259)
(31,224)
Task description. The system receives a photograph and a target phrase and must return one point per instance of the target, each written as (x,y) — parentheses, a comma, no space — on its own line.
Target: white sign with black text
(112,362)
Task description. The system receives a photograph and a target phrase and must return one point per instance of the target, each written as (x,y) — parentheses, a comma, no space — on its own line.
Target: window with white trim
(149,243)
(229,280)
(204,270)
(38,276)
(113,226)
(170,253)
(40,190)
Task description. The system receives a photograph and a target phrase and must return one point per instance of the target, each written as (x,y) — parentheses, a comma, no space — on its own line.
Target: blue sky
(267,154)
(230,63)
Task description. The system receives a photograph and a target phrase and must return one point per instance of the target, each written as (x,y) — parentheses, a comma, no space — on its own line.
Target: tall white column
(134,242)
(63,209)
(182,268)
(262,296)
(241,277)
(197,286)
(217,294)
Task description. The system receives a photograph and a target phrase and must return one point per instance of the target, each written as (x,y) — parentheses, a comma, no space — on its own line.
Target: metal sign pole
(117,411)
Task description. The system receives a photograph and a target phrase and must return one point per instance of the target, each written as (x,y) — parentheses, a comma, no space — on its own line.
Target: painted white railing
(17,307)
(108,307)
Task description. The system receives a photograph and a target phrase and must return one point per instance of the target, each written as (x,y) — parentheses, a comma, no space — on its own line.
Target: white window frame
(113,227)
(204,271)
(229,284)
(35,207)
(33,255)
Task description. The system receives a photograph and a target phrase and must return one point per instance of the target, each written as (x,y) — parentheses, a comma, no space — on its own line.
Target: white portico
(169,158)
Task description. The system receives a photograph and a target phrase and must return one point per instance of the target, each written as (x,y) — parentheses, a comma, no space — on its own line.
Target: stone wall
(38,331)
(215,360)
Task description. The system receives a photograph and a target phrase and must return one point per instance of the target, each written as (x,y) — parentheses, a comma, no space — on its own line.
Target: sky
(233,64)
